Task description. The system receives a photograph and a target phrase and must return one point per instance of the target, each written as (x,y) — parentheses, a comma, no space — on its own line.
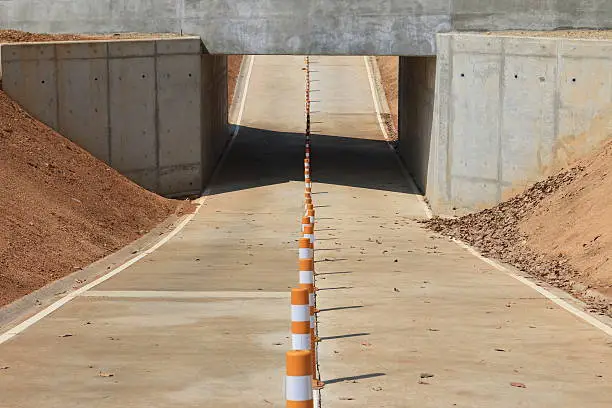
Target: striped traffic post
(300,319)
(305,221)
(310,213)
(305,250)
(306,202)
(309,233)
(298,382)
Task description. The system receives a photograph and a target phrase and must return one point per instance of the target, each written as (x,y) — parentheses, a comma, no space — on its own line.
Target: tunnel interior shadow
(261,157)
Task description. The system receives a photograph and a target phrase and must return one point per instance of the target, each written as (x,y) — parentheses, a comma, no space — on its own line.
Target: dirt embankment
(233,70)
(60,208)
(559,230)
(389,72)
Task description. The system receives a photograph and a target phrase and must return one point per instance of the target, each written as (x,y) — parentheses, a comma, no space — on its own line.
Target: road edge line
(592,320)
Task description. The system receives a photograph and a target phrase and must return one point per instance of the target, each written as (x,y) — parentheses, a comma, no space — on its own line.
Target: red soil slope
(60,208)
(559,230)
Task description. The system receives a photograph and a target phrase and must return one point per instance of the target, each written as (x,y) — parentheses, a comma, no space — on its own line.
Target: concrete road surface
(407,319)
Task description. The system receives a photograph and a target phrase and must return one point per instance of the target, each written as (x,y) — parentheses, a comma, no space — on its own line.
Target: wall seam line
(500,129)
(109,132)
(557,97)
(156,96)
(57,93)
(450,120)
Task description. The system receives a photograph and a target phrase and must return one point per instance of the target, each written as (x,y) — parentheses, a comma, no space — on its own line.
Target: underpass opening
(347,124)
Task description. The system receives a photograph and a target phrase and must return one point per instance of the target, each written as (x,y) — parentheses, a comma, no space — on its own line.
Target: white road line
(383,128)
(544,292)
(162,294)
(6,336)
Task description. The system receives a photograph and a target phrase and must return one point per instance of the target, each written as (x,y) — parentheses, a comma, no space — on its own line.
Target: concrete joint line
(162,294)
(20,328)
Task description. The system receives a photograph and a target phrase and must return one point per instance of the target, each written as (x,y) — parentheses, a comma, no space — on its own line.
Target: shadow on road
(354,378)
(261,157)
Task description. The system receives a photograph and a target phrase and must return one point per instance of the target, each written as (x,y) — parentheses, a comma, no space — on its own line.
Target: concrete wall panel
(178,93)
(416,107)
(473,193)
(519,109)
(29,76)
(528,117)
(133,114)
(84,109)
(180,180)
(140,105)
(585,106)
(475,116)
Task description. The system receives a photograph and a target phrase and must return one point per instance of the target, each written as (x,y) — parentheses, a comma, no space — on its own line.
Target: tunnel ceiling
(372,27)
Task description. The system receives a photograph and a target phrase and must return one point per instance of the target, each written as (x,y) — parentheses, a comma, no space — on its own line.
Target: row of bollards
(302,375)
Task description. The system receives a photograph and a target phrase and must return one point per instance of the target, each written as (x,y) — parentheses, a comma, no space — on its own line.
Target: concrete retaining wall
(357,27)
(510,111)
(417,78)
(149,108)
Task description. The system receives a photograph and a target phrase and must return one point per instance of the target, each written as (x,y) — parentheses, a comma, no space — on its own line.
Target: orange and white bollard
(307,201)
(307,274)
(305,250)
(307,179)
(306,266)
(310,213)
(305,221)
(300,319)
(309,233)
(298,383)
(310,207)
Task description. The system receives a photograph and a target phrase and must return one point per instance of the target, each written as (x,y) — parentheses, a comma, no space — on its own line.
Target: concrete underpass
(407,318)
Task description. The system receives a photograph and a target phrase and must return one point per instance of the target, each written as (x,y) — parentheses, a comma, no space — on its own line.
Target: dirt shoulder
(61,208)
(16,36)
(389,72)
(559,230)
(233,70)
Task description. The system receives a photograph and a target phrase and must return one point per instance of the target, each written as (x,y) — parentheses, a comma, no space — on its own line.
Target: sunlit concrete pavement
(204,321)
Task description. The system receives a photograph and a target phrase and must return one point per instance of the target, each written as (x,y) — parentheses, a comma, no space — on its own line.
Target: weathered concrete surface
(416,101)
(204,321)
(510,110)
(392,27)
(154,109)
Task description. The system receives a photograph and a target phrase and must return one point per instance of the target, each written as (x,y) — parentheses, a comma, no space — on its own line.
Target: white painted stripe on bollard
(300,341)
(306,277)
(299,388)
(300,313)
(305,253)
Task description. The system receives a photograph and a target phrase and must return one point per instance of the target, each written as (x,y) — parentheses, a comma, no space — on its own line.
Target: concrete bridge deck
(204,320)
(337,27)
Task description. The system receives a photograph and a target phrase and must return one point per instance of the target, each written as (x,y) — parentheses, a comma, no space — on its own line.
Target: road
(204,320)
